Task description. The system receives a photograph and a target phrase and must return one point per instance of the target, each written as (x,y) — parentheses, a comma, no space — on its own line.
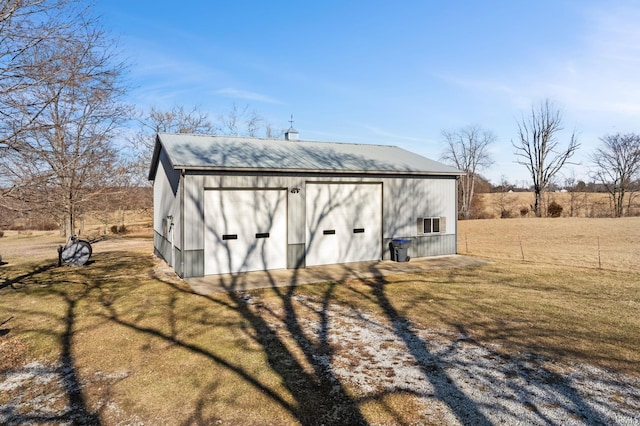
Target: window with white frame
(431,225)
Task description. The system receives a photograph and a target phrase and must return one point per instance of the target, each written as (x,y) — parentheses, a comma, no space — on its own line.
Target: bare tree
(64,155)
(539,150)
(575,203)
(238,121)
(505,200)
(617,164)
(29,32)
(241,121)
(468,150)
(178,119)
(25,28)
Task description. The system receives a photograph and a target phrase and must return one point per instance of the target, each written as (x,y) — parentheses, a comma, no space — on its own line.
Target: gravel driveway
(458,381)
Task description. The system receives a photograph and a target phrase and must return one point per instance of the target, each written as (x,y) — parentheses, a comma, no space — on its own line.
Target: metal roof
(204,152)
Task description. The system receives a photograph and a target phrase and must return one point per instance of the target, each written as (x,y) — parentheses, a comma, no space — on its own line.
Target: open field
(576,204)
(90,224)
(552,338)
(612,244)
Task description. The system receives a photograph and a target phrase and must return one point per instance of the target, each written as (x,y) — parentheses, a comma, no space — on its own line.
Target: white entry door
(343,223)
(245,230)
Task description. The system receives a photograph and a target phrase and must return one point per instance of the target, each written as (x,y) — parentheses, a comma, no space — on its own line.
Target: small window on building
(434,225)
(431,225)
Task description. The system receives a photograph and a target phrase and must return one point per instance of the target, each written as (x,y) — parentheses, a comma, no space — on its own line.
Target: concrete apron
(314,274)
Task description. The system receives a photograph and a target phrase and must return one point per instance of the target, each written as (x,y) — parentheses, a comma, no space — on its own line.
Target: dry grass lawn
(611,244)
(133,344)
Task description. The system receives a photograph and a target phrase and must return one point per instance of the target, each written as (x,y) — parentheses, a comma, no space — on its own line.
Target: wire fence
(611,244)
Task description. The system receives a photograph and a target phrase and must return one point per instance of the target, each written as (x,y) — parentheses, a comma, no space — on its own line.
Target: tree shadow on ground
(76,410)
(528,380)
(445,389)
(19,280)
(318,396)
(524,380)
(301,353)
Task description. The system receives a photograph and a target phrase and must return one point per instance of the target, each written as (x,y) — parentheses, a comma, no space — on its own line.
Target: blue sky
(391,72)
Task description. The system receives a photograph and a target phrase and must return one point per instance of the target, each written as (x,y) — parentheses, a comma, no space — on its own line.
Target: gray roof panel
(236,153)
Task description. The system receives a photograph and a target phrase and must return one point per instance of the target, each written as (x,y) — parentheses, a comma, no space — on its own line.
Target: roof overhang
(258,170)
(157,147)
(201,161)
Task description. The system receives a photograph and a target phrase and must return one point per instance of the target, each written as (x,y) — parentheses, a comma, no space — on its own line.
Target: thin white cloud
(598,76)
(474,83)
(246,95)
(615,34)
(386,134)
(607,78)
(165,79)
(601,78)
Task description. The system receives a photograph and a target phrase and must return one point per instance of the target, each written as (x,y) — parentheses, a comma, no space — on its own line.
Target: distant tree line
(615,164)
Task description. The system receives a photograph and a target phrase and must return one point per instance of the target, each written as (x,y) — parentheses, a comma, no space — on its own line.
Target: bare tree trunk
(538,148)
(617,162)
(537,203)
(467,150)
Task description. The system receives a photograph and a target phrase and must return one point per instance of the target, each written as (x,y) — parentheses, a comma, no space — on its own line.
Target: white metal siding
(194,212)
(166,198)
(296,212)
(407,199)
(404,199)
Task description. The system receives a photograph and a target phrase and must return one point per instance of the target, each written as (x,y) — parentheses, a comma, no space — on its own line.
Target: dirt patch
(13,353)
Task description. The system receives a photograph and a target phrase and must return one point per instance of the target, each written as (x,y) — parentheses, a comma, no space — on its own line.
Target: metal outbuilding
(233,204)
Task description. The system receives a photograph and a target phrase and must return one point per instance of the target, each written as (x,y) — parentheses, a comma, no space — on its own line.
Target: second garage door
(245,230)
(343,223)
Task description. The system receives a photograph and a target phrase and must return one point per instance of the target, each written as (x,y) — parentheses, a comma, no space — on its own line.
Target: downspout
(173,246)
(182,250)
(456,211)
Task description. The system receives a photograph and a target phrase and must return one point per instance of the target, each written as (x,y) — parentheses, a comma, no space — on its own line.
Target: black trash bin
(399,248)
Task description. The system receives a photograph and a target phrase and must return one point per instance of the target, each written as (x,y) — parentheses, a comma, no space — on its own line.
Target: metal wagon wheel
(77,253)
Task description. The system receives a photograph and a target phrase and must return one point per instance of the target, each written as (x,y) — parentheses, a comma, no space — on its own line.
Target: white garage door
(245,230)
(344,223)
